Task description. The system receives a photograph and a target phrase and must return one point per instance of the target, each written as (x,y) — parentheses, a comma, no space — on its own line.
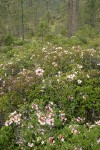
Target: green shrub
(86,33)
(8,41)
(50,95)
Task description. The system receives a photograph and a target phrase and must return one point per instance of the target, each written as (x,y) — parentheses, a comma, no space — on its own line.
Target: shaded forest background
(27,18)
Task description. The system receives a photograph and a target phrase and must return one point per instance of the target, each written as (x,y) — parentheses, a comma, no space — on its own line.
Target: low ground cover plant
(50,96)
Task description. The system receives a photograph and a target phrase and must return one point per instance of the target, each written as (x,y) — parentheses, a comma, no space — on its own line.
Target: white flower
(44,49)
(42,142)
(98,141)
(51,103)
(92,126)
(13,113)
(30,126)
(51,140)
(50,121)
(97,122)
(82,54)
(62,139)
(84,97)
(7,123)
(79,66)
(30,144)
(79,119)
(79,81)
(74,131)
(41,120)
(35,106)
(38,139)
(39,72)
(88,76)
(71,76)
(54,64)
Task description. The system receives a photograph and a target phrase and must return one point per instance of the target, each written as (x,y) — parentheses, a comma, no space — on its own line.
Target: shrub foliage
(50,95)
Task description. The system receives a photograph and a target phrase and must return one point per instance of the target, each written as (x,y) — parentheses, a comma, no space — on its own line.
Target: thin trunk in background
(8,17)
(22,19)
(48,13)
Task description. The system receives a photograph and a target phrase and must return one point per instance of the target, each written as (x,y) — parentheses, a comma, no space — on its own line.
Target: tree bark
(73,6)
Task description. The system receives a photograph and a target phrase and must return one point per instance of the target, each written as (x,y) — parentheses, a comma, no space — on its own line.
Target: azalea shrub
(50,96)
(47,127)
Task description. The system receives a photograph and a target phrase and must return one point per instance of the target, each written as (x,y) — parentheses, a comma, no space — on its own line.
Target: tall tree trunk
(72,16)
(22,19)
(47,8)
(35,15)
(8,17)
(48,13)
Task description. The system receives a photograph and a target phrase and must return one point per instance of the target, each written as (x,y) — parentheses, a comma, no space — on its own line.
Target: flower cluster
(13,118)
(61,137)
(97,122)
(45,119)
(74,129)
(71,77)
(70,81)
(39,72)
(63,117)
(79,66)
(54,64)
(78,119)
(51,140)
(30,144)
